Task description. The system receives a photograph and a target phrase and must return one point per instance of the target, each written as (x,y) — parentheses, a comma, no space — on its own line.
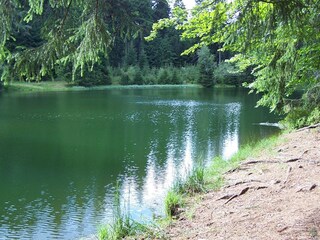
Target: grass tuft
(173,202)
(214,174)
(194,183)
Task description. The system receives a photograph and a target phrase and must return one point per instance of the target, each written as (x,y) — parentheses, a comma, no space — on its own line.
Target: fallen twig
(243,191)
(293,160)
(236,169)
(228,196)
(259,161)
(288,173)
(243,182)
(282,229)
(298,158)
(261,187)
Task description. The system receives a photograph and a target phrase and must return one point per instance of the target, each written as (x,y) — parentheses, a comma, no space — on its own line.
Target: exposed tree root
(308,127)
(243,191)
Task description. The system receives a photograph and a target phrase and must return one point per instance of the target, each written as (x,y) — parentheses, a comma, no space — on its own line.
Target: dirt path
(276,196)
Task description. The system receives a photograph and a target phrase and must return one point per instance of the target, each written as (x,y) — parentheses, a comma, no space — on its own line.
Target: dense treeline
(277,40)
(100,42)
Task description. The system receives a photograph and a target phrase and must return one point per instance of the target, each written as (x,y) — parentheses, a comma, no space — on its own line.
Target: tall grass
(193,183)
(124,226)
(202,179)
(199,180)
(173,202)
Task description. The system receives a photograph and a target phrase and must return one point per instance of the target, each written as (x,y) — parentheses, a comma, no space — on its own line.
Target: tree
(131,56)
(179,3)
(161,9)
(206,67)
(77,32)
(278,39)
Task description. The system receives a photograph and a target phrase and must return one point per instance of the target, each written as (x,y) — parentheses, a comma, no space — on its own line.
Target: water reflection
(62,154)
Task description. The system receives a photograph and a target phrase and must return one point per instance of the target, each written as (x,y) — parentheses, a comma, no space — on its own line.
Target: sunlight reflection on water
(61,160)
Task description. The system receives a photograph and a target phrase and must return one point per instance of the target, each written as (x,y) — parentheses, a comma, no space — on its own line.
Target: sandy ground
(275,196)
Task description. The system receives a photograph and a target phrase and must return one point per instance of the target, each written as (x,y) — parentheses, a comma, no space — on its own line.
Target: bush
(306,112)
(302,116)
(150,79)
(190,74)
(138,78)
(124,80)
(97,77)
(227,73)
(206,67)
(163,76)
(175,78)
(172,203)
(194,182)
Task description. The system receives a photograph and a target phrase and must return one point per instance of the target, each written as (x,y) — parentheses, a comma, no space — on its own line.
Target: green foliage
(150,76)
(175,78)
(143,60)
(98,77)
(41,40)
(227,73)
(123,225)
(194,183)
(213,175)
(103,233)
(131,57)
(278,40)
(206,66)
(76,32)
(92,39)
(163,76)
(124,80)
(172,203)
(138,78)
(190,74)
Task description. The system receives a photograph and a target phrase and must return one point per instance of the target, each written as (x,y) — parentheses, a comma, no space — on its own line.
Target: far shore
(62,86)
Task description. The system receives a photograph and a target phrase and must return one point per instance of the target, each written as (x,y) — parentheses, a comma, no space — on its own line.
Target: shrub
(97,77)
(190,74)
(163,76)
(172,203)
(194,183)
(138,78)
(124,79)
(206,67)
(175,78)
(150,79)
(306,112)
(227,73)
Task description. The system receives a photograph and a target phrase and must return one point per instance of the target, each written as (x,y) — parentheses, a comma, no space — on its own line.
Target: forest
(271,47)
(149,119)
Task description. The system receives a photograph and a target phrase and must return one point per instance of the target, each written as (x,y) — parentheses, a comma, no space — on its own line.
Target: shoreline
(271,194)
(62,86)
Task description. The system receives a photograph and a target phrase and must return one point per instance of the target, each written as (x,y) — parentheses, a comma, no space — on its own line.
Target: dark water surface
(62,153)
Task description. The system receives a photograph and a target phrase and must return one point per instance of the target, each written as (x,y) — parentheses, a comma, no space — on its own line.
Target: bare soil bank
(275,196)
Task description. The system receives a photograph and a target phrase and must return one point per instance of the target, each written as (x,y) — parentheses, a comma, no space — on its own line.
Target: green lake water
(62,153)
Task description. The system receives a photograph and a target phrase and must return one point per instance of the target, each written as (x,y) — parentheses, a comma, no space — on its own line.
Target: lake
(64,153)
